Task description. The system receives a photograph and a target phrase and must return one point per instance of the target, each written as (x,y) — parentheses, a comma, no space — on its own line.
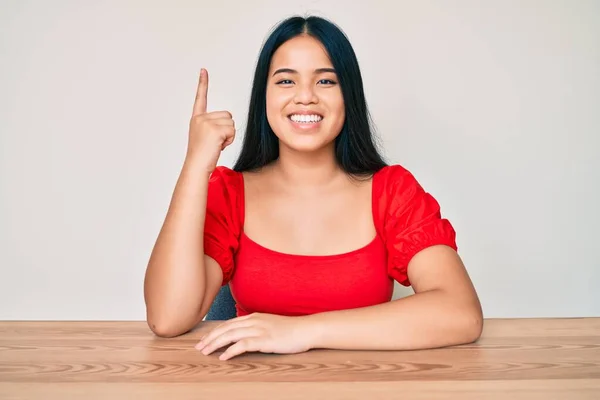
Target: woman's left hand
(264,333)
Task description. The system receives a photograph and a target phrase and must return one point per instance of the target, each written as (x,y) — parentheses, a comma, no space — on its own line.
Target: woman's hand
(264,333)
(210,132)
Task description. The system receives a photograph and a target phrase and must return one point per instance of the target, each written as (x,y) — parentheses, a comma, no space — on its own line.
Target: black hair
(355,148)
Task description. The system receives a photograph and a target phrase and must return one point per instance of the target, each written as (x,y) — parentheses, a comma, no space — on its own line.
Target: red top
(407,219)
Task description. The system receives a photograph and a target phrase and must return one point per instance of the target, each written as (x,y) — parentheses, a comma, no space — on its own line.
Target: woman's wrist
(311,331)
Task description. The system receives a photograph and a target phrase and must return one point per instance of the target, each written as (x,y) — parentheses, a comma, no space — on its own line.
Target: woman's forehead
(302,54)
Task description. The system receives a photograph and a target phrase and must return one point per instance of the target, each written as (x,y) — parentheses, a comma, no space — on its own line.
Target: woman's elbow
(162,329)
(167,327)
(471,326)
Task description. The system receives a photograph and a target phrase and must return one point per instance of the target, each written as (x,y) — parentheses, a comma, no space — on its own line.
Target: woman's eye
(289,82)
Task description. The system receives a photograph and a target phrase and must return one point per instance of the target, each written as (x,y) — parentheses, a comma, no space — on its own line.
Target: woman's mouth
(305,121)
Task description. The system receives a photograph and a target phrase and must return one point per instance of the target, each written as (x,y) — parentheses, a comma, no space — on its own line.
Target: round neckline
(361,249)
(372,242)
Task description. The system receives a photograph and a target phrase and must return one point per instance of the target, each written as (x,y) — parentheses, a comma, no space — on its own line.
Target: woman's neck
(306,170)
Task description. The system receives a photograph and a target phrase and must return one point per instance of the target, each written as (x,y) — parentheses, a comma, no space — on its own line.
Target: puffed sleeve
(413,222)
(222,223)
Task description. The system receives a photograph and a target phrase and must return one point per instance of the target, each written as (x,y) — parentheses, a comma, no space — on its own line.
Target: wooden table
(514,359)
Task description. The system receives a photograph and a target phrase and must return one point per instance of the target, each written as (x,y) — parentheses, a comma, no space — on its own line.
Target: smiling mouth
(305,120)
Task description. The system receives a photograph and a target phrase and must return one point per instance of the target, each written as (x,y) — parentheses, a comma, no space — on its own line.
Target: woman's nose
(305,94)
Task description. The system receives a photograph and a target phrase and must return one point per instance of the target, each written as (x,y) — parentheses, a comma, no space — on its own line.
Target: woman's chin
(306,144)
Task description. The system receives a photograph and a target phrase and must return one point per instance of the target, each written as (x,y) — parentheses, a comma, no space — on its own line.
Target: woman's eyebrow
(293,71)
(324,70)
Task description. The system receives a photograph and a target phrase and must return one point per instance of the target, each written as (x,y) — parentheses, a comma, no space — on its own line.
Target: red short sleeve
(223,218)
(410,220)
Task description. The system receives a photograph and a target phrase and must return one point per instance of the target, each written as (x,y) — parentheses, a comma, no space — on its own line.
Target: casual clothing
(407,219)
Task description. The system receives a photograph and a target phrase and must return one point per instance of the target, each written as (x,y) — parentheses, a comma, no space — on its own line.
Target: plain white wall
(493,105)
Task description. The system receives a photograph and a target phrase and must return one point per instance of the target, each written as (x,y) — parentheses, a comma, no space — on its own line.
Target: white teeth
(305,118)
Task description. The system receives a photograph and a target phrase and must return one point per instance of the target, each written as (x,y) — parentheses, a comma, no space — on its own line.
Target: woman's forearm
(425,320)
(175,277)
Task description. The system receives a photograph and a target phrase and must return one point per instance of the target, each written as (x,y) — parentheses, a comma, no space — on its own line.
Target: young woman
(311,227)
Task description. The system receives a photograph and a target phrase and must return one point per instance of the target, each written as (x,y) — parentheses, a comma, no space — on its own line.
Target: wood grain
(527,358)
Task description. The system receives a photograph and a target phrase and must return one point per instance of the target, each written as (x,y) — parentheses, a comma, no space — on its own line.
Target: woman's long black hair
(355,147)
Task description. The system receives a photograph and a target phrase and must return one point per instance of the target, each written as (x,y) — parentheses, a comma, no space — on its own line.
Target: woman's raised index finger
(201,93)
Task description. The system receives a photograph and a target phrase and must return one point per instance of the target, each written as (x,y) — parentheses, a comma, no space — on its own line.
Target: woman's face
(305,106)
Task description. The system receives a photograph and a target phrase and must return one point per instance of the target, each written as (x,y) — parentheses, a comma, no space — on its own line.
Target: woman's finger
(243,346)
(231,336)
(241,322)
(201,93)
(224,121)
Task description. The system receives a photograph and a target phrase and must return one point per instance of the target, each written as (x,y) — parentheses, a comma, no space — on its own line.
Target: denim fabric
(223,308)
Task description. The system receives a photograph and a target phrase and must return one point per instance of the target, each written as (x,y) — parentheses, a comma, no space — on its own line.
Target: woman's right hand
(210,132)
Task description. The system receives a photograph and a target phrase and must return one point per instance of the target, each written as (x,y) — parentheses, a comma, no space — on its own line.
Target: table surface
(514,359)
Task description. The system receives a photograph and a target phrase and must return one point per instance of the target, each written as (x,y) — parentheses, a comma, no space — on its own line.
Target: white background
(494,106)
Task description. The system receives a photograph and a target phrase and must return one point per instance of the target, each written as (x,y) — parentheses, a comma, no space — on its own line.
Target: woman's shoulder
(398,193)
(395,179)
(226,192)
(226,181)
(225,175)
